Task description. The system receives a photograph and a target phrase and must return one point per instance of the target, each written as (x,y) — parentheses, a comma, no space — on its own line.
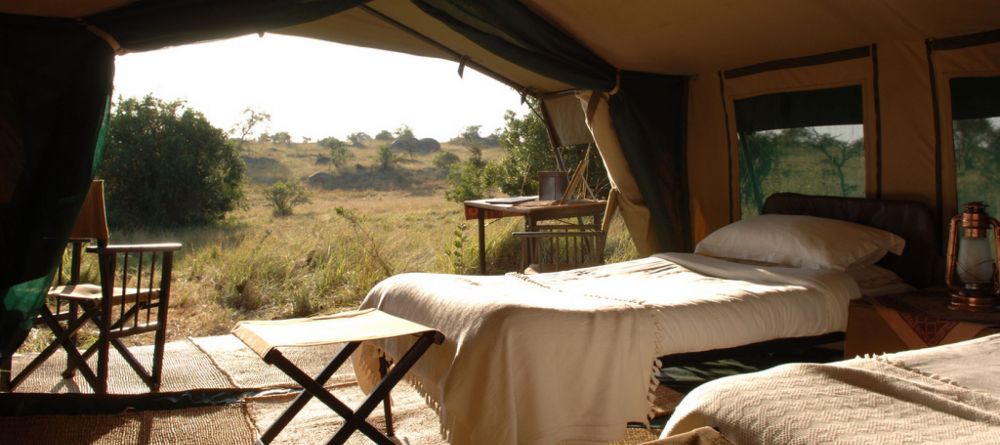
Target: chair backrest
(92,221)
(554,248)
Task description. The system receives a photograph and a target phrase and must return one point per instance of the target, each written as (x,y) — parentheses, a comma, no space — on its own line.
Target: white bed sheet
(512,367)
(723,304)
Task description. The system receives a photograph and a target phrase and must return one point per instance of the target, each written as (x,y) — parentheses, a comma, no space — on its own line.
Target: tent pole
(554,140)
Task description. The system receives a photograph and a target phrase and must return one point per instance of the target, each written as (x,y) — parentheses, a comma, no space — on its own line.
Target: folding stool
(264,337)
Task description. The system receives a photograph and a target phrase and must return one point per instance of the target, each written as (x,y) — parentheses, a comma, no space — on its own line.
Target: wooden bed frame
(921,264)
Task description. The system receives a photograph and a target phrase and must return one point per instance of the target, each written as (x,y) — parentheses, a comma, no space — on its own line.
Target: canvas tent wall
(658,84)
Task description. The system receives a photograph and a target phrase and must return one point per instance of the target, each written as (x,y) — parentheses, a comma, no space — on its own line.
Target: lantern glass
(975,263)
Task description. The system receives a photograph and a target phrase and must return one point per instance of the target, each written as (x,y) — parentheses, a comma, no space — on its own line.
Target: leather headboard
(914,222)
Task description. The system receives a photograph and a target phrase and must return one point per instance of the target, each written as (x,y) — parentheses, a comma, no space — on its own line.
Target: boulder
(319,179)
(417,146)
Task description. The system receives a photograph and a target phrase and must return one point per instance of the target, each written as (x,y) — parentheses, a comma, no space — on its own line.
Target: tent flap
(649,114)
(55,86)
(142,26)
(510,30)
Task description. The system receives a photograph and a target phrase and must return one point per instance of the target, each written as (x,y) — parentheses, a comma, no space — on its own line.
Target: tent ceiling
(693,36)
(668,37)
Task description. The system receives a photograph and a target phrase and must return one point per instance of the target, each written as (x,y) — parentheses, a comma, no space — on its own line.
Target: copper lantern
(972,265)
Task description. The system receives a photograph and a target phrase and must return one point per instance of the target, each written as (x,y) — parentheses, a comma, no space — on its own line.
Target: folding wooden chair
(352,328)
(132,298)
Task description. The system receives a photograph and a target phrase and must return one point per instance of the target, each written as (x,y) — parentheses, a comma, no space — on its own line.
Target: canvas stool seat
(354,327)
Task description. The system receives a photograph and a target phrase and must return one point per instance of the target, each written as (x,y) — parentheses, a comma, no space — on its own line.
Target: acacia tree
(281,137)
(165,165)
(251,119)
(358,139)
(835,152)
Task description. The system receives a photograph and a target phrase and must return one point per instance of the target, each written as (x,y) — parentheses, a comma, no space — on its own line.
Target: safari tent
(671,93)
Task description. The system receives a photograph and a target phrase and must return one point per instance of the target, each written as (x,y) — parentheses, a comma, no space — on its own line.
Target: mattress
(946,394)
(570,356)
(698,303)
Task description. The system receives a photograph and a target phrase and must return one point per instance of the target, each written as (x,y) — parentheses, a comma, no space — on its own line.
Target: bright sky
(317,89)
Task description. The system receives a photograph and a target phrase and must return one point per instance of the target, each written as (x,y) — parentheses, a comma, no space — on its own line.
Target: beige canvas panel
(973,61)
(630,203)
(568,119)
(695,36)
(908,152)
(828,75)
(707,156)
(355,27)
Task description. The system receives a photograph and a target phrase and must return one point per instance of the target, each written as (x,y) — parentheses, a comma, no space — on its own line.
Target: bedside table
(911,320)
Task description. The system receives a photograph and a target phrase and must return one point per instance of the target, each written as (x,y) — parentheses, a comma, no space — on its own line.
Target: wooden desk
(533,212)
(911,320)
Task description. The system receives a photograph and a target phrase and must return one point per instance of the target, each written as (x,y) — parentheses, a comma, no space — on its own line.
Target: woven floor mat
(185,367)
(414,421)
(666,401)
(636,436)
(229,424)
(247,370)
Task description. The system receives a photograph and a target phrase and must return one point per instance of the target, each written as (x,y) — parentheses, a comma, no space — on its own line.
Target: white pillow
(875,281)
(801,241)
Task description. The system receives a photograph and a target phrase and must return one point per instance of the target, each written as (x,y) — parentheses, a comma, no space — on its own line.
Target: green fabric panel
(831,106)
(975,97)
(148,25)
(649,115)
(55,85)
(512,31)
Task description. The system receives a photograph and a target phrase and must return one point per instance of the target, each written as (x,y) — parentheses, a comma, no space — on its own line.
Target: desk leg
(482,242)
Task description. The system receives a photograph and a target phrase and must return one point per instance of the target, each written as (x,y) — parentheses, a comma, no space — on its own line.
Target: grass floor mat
(415,423)
(228,424)
(185,368)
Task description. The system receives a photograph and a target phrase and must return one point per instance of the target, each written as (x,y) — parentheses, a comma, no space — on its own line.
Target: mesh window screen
(975,108)
(806,142)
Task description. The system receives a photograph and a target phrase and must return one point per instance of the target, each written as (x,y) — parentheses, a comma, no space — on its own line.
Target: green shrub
(526,152)
(445,159)
(339,154)
(283,196)
(165,165)
(331,142)
(385,158)
(383,135)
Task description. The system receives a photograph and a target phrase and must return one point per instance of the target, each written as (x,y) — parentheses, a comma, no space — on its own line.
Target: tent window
(806,142)
(975,110)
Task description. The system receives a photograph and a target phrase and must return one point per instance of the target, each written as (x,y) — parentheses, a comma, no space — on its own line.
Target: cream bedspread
(892,399)
(564,357)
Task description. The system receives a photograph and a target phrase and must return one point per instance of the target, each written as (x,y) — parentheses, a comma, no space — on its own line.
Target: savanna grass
(318,260)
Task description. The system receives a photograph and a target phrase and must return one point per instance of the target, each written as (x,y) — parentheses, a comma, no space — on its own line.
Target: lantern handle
(949,273)
(996,253)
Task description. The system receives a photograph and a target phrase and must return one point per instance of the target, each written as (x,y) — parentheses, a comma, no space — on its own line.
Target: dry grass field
(318,260)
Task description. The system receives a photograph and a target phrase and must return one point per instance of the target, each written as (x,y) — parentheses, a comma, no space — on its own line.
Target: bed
(573,356)
(945,394)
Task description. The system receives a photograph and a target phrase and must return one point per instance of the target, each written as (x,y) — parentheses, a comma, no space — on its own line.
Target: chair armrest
(130,248)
